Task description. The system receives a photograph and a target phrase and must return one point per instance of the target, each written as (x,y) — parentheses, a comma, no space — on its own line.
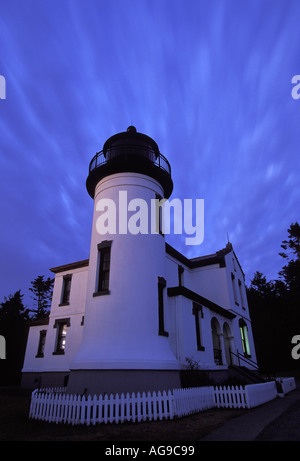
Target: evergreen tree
(13,327)
(42,294)
(293,243)
(12,308)
(274,308)
(290,273)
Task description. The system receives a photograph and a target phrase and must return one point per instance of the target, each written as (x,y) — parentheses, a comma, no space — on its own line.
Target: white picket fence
(192,400)
(74,409)
(249,396)
(230,397)
(54,405)
(59,407)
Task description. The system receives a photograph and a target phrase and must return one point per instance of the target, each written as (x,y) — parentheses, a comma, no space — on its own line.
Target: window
(61,326)
(102,284)
(180,275)
(66,288)
(159,203)
(244,336)
(42,341)
(196,310)
(233,262)
(234,289)
(241,293)
(161,315)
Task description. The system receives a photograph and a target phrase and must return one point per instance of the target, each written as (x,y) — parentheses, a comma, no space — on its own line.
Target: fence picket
(128,415)
(122,405)
(82,409)
(117,409)
(105,409)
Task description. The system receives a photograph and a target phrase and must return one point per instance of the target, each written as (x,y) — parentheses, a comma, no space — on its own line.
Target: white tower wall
(121,329)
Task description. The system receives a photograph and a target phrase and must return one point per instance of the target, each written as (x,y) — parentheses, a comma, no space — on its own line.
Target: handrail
(241,357)
(156,158)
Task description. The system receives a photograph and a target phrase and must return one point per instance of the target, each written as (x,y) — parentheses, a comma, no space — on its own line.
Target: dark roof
(130,136)
(37,322)
(183,291)
(216,258)
(70,266)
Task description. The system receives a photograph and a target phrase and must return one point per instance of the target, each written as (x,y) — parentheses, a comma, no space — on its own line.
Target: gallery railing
(129,150)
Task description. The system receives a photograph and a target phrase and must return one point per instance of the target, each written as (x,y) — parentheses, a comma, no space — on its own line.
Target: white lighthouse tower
(125,345)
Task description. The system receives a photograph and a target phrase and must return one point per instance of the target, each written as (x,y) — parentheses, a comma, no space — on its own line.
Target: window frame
(159,214)
(241,294)
(234,289)
(245,338)
(41,344)
(104,248)
(59,325)
(196,309)
(66,289)
(161,285)
(180,275)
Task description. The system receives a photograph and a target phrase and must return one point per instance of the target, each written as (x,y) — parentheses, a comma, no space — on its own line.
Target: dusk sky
(210,82)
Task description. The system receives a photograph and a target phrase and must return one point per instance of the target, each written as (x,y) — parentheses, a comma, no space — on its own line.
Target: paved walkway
(277,420)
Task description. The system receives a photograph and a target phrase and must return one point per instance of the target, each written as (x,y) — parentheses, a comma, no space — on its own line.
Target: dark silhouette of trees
(275,310)
(13,319)
(290,273)
(14,324)
(42,294)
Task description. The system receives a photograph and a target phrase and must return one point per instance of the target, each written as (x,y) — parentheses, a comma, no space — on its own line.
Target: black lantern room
(130,151)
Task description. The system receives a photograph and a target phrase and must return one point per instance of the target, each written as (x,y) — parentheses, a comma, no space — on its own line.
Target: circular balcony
(130,152)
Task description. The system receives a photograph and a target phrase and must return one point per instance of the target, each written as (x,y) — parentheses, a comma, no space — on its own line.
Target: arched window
(244,335)
(215,330)
(228,343)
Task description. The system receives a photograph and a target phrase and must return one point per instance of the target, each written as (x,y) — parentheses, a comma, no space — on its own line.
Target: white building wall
(77,294)
(215,284)
(239,303)
(121,327)
(211,282)
(74,312)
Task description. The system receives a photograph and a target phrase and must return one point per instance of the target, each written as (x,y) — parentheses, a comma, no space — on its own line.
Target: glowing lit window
(244,336)
(61,334)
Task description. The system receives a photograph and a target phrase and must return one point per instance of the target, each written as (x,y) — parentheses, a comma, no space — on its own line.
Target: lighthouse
(125,344)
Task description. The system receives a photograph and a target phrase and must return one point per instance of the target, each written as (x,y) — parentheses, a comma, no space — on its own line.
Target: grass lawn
(15,425)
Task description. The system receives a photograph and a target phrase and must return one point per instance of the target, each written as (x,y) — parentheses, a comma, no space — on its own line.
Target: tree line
(14,323)
(274,307)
